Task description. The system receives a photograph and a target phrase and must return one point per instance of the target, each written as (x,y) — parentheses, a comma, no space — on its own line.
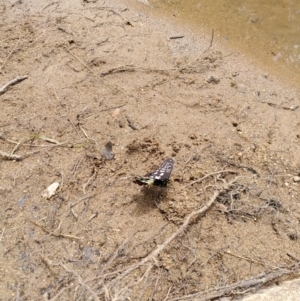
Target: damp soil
(109,95)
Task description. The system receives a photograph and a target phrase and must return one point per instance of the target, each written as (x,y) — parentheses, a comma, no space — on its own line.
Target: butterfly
(160,177)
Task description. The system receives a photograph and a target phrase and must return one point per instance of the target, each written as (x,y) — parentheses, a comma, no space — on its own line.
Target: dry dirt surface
(75,76)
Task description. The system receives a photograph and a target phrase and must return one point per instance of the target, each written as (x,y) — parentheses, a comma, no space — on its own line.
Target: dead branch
(152,256)
(235,288)
(12,83)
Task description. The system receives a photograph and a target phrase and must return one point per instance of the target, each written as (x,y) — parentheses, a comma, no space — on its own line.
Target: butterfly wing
(160,177)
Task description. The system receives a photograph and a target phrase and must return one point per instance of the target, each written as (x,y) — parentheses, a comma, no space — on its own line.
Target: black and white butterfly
(160,177)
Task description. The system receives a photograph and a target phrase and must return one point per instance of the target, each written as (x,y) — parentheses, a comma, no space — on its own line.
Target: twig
(130,124)
(152,256)
(146,276)
(208,175)
(131,68)
(155,234)
(115,254)
(84,186)
(9,56)
(73,126)
(12,83)
(209,258)
(176,37)
(53,3)
(52,233)
(17,146)
(293,108)
(234,288)
(210,45)
(251,169)
(288,254)
(79,60)
(17,298)
(169,290)
(82,199)
(155,286)
(244,258)
(7,156)
(62,291)
(112,108)
(128,68)
(84,132)
(82,283)
(2,234)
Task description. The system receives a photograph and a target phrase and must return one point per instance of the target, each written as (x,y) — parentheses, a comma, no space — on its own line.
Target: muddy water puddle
(268,31)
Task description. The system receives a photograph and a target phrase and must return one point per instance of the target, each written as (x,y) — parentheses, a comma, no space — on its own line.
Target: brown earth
(101,71)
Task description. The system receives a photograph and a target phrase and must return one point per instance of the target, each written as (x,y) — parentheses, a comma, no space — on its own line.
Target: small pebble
(296,179)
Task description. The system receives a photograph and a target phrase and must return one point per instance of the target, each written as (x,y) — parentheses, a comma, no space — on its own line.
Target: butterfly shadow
(148,198)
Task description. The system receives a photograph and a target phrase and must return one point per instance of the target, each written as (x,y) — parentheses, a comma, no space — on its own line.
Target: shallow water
(268,30)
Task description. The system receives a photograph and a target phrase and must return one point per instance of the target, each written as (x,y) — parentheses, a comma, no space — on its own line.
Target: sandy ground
(100,71)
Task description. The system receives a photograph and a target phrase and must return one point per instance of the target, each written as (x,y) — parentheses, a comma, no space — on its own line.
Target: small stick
(61,292)
(84,186)
(12,83)
(10,54)
(293,108)
(111,108)
(169,290)
(131,124)
(52,233)
(244,258)
(79,60)
(2,234)
(82,199)
(176,37)
(288,254)
(73,126)
(82,283)
(84,132)
(238,166)
(208,175)
(7,156)
(128,68)
(234,289)
(17,146)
